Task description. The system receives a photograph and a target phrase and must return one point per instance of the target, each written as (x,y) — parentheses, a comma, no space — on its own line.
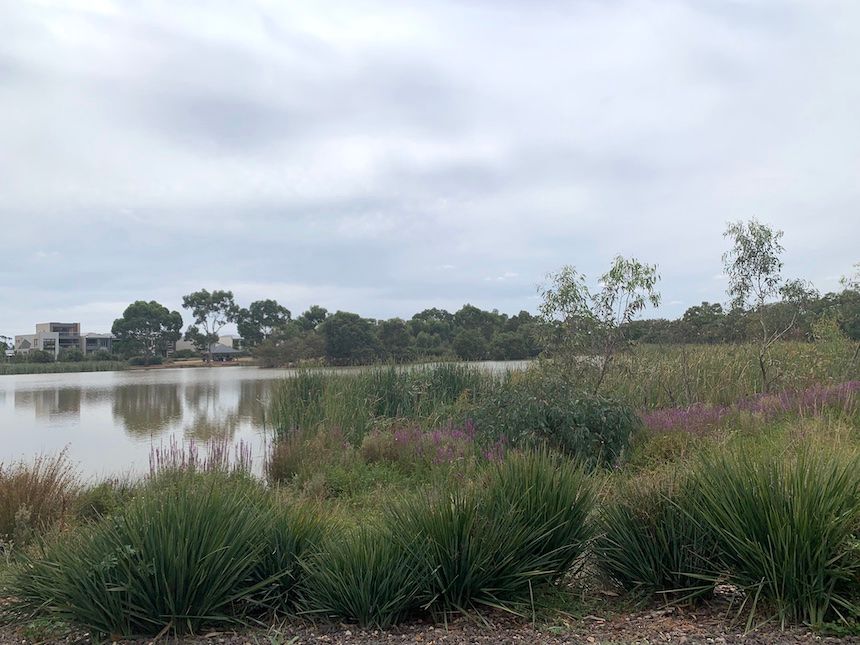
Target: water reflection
(51,404)
(146,409)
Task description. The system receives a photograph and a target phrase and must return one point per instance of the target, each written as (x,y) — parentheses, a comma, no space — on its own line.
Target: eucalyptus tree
(753,266)
(584,329)
(211,311)
(147,327)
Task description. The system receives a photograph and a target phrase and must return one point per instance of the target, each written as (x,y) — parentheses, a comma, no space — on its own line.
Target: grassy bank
(62,368)
(395,495)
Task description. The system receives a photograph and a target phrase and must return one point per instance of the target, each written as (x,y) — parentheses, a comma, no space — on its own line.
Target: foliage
(656,377)
(34,495)
(365,576)
(544,406)
(177,557)
(147,327)
(349,339)
(211,311)
(202,342)
(785,526)
(754,267)
(293,533)
(51,367)
(262,320)
(651,541)
(585,329)
(492,546)
(470,345)
(71,355)
(39,356)
(355,402)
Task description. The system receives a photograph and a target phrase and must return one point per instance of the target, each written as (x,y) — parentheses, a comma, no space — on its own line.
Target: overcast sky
(386,157)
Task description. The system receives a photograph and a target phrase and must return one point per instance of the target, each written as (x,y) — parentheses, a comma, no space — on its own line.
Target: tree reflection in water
(147,409)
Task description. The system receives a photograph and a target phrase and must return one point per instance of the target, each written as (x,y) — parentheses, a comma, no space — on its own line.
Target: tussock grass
(491,546)
(651,542)
(364,576)
(786,528)
(180,555)
(35,495)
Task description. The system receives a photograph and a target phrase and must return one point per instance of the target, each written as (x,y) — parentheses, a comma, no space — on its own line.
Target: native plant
(785,526)
(211,311)
(650,540)
(754,270)
(365,576)
(584,328)
(496,545)
(181,554)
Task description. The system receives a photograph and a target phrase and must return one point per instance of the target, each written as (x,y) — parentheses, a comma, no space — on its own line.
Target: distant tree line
(573,319)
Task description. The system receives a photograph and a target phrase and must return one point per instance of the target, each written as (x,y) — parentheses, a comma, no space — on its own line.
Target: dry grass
(35,495)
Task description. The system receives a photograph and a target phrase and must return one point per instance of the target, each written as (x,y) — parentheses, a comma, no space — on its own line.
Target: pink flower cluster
(812,401)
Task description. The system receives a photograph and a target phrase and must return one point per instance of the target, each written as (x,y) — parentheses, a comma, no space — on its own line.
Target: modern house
(54,337)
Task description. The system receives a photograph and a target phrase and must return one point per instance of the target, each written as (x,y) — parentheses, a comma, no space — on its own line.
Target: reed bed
(7,369)
(654,377)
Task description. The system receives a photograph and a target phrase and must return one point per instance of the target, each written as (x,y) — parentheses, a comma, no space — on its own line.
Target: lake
(109,421)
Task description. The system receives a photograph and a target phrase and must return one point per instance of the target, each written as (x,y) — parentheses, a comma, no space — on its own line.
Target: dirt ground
(709,625)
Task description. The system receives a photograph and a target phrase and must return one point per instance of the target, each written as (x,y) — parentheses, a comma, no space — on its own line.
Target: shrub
(39,356)
(178,556)
(73,355)
(101,355)
(650,541)
(34,496)
(539,407)
(492,546)
(785,528)
(365,576)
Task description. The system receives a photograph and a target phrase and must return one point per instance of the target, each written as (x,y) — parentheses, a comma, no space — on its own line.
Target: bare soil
(708,625)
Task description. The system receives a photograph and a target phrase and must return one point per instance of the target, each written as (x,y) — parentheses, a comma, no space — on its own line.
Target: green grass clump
(651,542)
(364,576)
(180,555)
(786,527)
(491,546)
(293,533)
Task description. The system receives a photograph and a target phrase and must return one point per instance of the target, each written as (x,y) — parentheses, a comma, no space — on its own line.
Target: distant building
(54,337)
(236,342)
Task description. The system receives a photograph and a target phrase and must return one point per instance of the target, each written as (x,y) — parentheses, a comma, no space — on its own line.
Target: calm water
(109,421)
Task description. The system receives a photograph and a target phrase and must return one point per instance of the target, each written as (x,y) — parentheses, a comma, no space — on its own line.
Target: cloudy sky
(385,157)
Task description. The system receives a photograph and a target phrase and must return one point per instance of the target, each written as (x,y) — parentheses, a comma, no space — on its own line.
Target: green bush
(73,355)
(177,557)
(365,576)
(650,541)
(539,407)
(786,528)
(492,546)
